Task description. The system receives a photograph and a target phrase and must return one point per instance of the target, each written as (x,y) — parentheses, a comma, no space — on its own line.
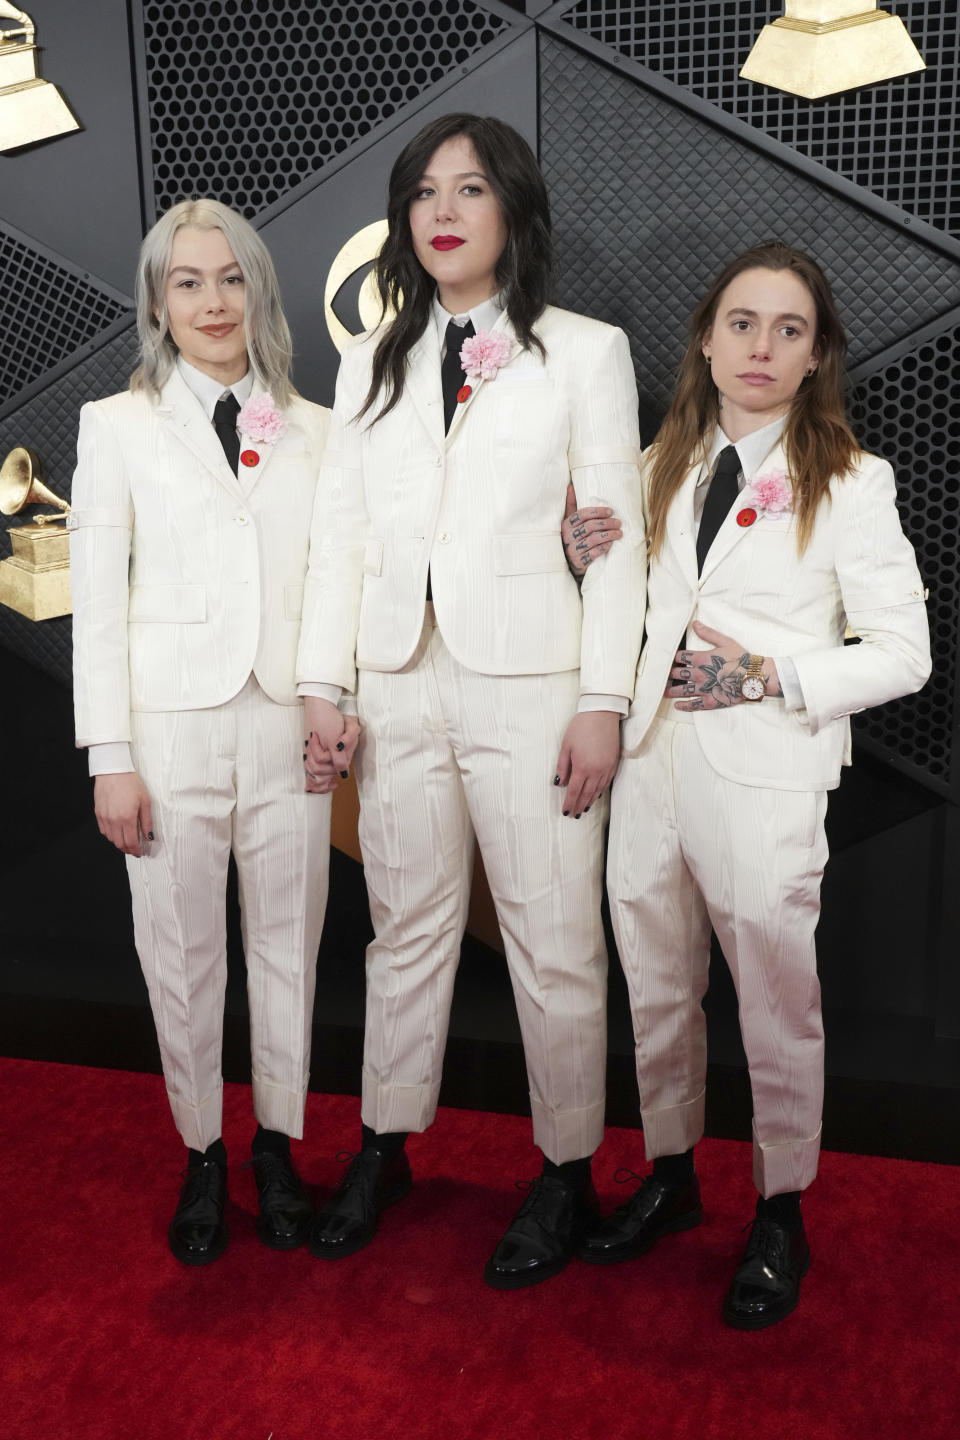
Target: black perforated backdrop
(660,162)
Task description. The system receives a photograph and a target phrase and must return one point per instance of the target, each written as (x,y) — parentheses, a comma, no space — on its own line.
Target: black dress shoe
(543,1234)
(653,1210)
(198,1232)
(285,1212)
(349,1219)
(766,1286)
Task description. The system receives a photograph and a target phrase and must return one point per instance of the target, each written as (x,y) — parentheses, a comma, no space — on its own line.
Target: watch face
(753,688)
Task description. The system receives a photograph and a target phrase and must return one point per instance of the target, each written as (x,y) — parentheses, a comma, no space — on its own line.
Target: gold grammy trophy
(35,580)
(31,109)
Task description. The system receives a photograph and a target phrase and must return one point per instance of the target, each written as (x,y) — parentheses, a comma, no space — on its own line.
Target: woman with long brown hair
(489,689)
(769,531)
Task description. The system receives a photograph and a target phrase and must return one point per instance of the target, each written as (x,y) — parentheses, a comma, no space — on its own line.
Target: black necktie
(225,415)
(720,496)
(452,376)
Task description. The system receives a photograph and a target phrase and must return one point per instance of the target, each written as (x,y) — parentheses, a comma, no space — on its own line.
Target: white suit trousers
(689,849)
(447,753)
(222,779)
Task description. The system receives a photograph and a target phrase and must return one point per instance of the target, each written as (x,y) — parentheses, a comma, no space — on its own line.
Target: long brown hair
(817,440)
(523,270)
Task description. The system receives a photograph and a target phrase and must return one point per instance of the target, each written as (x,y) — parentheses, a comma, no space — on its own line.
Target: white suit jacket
(482,506)
(184,579)
(755,587)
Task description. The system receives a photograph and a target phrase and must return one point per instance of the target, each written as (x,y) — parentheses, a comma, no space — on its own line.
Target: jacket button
(243,519)
(443,537)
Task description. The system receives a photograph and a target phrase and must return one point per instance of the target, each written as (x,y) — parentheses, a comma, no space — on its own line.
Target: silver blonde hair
(269,346)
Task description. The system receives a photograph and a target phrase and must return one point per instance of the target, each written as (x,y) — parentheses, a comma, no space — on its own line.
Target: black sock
(217,1151)
(575,1173)
(785,1208)
(674,1169)
(272,1142)
(389,1144)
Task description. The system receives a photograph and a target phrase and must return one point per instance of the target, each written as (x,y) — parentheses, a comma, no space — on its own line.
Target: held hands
(587,534)
(329,746)
(588,758)
(122,808)
(711,679)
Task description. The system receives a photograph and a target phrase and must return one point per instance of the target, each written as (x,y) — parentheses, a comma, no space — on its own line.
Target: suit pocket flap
(293,601)
(373,557)
(528,554)
(171,604)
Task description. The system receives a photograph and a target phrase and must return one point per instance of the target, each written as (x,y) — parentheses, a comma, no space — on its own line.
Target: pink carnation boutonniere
(259,419)
(773,493)
(484,354)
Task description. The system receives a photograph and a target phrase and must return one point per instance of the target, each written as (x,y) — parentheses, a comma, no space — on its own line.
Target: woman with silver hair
(192,502)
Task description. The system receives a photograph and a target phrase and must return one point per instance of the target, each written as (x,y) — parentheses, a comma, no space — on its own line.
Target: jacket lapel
(181,410)
(680,531)
(422,382)
(731,533)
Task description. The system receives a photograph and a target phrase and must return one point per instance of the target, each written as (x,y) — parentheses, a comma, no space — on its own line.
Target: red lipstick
(446,242)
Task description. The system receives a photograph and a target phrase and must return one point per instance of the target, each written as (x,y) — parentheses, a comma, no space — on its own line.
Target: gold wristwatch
(754,687)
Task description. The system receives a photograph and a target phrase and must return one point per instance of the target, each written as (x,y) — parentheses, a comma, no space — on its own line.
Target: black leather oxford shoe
(543,1234)
(652,1211)
(766,1286)
(285,1212)
(198,1232)
(349,1219)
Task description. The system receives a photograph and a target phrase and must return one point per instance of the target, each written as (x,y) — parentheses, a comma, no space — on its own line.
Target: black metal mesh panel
(47,425)
(247,100)
(48,313)
(899,139)
(910,412)
(643,224)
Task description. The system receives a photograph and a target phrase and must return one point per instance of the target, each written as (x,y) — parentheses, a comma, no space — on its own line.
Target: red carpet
(107,1337)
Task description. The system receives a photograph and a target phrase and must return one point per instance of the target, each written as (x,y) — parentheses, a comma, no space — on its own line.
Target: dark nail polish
(566,812)
(343,774)
(585,809)
(149,834)
(339,744)
(556,779)
(577,817)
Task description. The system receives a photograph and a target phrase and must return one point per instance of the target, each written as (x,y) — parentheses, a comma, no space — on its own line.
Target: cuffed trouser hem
(789,1165)
(389,1109)
(277,1108)
(674,1129)
(199,1125)
(565,1135)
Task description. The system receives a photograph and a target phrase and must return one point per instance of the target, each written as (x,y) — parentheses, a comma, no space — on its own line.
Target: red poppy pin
(746,517)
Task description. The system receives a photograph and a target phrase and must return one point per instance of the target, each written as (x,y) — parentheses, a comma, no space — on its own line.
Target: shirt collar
(753,449)
(484,316)
(208,391)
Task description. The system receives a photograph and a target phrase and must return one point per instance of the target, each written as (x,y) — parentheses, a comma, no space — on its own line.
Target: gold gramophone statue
(36,578)
(31,109)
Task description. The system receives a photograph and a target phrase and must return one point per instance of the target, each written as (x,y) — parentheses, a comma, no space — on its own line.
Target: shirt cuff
(111,758)
(316,691)
(790,684)
(618,703)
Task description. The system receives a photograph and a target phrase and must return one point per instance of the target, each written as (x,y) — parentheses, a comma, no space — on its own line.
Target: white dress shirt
(114,758)
(752,450)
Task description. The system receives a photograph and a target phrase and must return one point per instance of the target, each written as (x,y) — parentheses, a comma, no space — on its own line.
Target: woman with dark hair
(769,531)
(191,504)
(489,692)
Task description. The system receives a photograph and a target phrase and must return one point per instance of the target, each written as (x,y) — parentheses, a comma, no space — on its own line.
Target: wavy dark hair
(817,440)
(523,270)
